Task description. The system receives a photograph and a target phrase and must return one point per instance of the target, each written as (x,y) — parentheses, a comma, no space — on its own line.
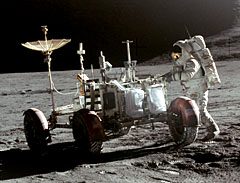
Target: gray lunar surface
(143,155)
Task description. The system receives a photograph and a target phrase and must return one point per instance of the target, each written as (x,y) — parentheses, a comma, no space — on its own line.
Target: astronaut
(189,70)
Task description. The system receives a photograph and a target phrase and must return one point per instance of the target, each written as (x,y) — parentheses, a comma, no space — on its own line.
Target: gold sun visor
(176,56)
(46,45)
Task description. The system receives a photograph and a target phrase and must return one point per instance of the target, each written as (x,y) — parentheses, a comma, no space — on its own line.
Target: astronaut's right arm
(191,68)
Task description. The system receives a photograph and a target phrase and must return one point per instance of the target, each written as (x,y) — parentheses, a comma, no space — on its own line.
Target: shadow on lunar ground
(16,163)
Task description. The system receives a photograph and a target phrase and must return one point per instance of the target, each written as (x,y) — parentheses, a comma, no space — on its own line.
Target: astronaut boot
(212,132)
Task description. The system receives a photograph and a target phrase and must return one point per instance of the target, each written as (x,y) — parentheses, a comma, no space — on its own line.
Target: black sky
(103,24)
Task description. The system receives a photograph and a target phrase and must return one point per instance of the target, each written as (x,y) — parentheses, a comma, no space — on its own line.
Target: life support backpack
(196,46)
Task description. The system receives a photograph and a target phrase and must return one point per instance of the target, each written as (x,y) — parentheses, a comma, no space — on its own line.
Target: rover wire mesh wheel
(183,120)
(182,135)
(36,136)
(81,134)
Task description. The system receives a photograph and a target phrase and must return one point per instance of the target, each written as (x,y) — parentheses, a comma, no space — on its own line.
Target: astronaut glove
(168,77)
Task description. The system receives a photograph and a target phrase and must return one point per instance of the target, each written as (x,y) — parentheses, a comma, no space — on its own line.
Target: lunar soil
(145,154)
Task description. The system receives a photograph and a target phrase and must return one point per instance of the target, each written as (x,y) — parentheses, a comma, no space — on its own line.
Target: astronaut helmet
(180,52)
(176,53)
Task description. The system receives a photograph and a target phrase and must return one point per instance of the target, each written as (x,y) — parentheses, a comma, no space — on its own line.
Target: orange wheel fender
(40,116)
(187,109)
(94,125)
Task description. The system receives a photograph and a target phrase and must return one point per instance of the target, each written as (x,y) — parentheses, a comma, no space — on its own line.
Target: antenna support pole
(81,51)
(128,64)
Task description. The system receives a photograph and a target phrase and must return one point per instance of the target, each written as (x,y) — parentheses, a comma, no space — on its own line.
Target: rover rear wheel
(182,135)
(183,121)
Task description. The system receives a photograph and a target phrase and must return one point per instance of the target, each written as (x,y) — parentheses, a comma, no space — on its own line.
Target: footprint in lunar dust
(207,157)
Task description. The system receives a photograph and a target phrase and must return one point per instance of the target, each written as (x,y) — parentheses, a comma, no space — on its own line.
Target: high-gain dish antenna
(47,47)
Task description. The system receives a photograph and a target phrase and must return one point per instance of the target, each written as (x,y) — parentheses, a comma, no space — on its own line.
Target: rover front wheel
(81,126)
(37,137)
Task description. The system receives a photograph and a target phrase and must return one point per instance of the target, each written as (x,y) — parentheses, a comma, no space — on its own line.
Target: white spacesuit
(189,71)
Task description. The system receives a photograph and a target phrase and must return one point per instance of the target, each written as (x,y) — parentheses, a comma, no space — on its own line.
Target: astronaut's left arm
(191,68)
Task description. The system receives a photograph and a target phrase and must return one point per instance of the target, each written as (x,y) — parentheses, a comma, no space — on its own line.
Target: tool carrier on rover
(107,107)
